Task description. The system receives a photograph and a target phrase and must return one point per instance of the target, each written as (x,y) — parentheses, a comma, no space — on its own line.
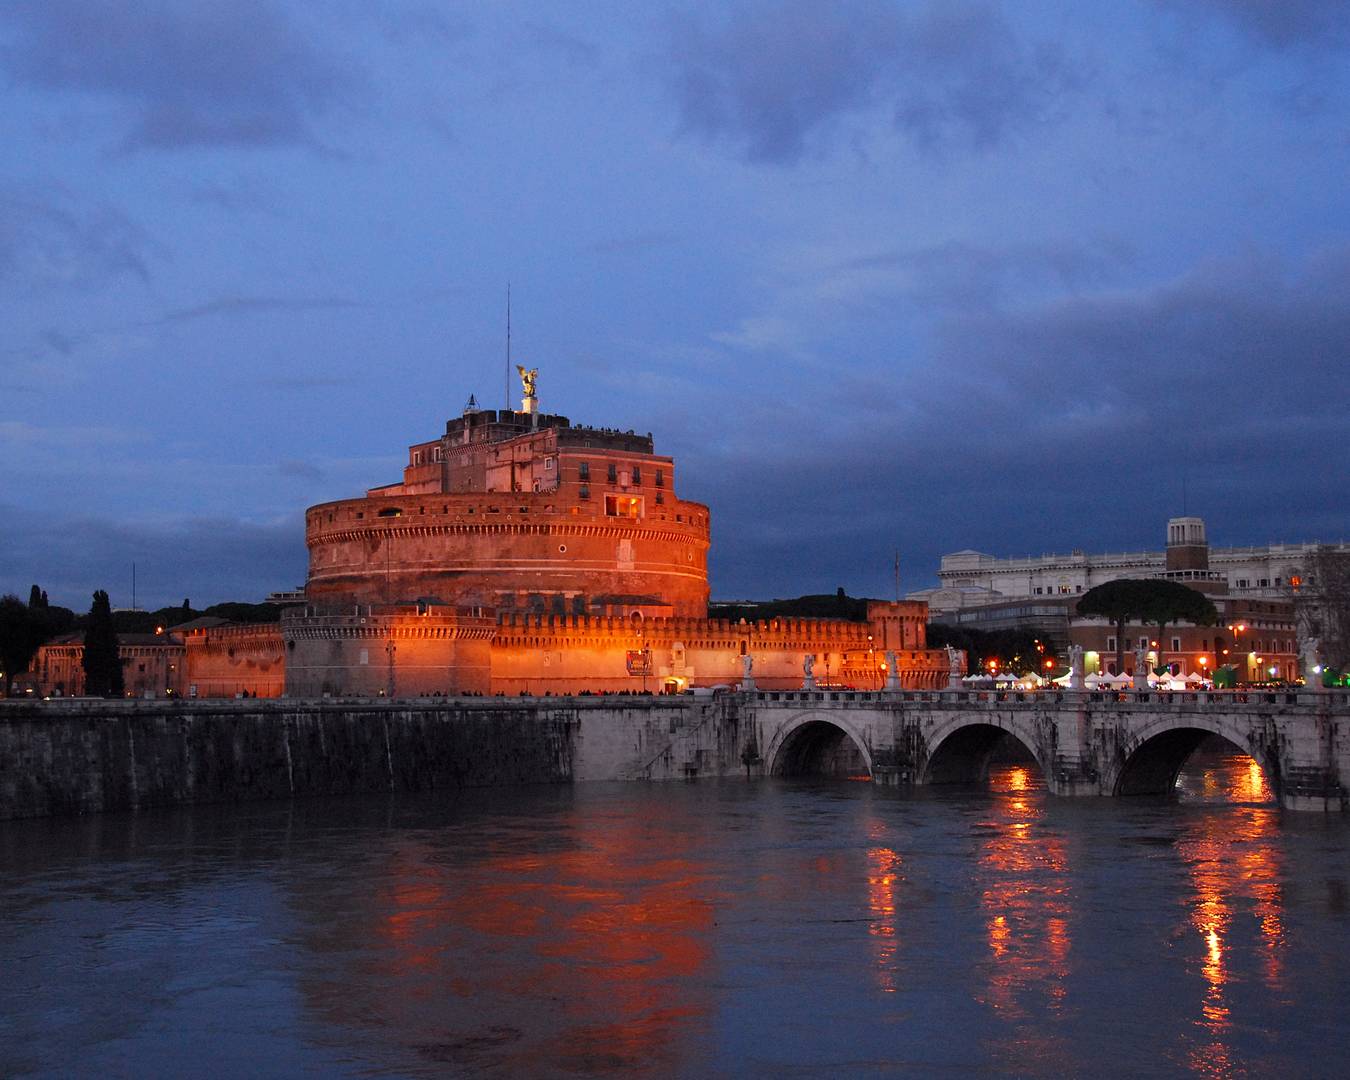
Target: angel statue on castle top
(529,379)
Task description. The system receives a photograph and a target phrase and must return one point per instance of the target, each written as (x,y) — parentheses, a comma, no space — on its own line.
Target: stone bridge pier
(1085,743)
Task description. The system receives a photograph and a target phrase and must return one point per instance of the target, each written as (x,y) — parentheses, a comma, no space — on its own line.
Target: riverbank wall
(76,757)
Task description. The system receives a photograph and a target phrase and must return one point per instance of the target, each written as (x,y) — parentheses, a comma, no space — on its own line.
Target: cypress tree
(35,598)
(102,665)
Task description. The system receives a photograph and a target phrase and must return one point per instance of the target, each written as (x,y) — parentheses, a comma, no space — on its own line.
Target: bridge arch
(1150,761)
(818,743)
(959,749)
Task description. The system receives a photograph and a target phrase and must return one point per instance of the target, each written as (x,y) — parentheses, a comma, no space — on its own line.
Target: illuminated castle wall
(521,554)
(519,512)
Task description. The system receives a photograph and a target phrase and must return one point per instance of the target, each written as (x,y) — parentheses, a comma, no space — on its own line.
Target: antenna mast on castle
(508,345)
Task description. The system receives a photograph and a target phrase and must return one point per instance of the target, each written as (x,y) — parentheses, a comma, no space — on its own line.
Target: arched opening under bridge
(1196,765)
(820,749)
(977,753)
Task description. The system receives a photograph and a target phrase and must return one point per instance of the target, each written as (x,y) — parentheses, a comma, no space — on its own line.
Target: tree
(102,664)
(1151,602)
(1171,602)
(1322,606)
(1019,650)
(22,630)
(36,598)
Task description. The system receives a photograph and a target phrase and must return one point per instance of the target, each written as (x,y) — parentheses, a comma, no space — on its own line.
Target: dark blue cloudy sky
(879,275)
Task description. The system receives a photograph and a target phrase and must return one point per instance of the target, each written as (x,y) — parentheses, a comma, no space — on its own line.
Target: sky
(881,276)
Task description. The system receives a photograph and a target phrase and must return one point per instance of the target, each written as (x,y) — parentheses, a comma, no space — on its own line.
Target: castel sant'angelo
(520,553)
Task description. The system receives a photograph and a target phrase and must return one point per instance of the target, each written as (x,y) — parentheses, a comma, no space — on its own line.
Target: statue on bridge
(956,666)
(747,672)
(808,669)
(1309,661)
(892,671)
(1141,668)
(1075,667)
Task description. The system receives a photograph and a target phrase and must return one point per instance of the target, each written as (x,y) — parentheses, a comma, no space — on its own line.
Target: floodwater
(768,929)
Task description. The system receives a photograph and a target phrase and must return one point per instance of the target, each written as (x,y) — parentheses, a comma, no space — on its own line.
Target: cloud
(188,74)
(771,79)
(300,470)
(206,558)
(49,239)
(1313,24)
(251,305)
(636,244)
(21,433)
(1069,422)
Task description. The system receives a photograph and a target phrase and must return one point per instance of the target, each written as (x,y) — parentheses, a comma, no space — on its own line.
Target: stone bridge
(1085,743)
(78,755)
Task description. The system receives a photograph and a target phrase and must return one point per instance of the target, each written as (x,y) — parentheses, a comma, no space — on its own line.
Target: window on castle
(660,499)
(660,477)
(1111,644)
(584,493)
(637,474)
(613,473)
(584,471)
(1176,644)
(1264,582)
(438,454)
(626,506)
(548,464)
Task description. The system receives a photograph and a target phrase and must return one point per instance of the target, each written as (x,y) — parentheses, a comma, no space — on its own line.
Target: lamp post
(1236,630)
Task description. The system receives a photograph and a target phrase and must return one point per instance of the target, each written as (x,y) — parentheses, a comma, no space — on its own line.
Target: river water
(703,929)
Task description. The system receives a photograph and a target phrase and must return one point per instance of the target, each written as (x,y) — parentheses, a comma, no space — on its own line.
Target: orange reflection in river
(883,872)
(1023,876)
(589,949)
(1235,868)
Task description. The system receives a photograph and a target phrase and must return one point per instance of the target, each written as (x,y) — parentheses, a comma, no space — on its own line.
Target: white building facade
(972,579)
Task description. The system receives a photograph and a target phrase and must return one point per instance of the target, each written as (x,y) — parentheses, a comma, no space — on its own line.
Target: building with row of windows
(972,579)
(1254,590)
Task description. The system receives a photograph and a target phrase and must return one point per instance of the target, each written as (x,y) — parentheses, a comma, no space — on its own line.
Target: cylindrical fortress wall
(506,549)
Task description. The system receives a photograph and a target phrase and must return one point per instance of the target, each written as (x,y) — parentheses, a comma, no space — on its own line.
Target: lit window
(627,506)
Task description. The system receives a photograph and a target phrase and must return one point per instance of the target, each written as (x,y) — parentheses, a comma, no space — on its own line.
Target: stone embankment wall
(90,756)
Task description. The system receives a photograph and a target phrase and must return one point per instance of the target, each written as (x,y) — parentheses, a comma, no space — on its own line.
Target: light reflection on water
(691,929)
